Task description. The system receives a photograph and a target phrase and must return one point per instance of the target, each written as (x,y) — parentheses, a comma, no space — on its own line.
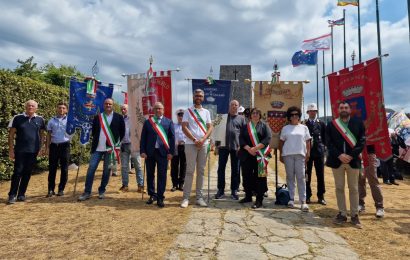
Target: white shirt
(294,137)
(102,140)
(192,124)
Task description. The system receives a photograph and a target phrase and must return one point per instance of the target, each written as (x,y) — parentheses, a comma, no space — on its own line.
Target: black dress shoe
(394,183)
(307,201)
(257,205)
(151,200)
(174,189)
(322,201)
(160,203)
(245,200)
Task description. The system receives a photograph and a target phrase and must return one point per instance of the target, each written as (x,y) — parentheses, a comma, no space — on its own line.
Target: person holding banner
(157,147)
(345,138)
(197,126)
(254,155)
(108,129)
(294,147)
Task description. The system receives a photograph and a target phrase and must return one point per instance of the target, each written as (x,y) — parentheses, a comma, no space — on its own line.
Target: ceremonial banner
(274,100)
(83,107)
(361,88)
(216,100)
(142,97)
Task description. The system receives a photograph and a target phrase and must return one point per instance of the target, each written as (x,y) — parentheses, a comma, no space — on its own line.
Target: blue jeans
(126,155)
(222,161)
(92,167)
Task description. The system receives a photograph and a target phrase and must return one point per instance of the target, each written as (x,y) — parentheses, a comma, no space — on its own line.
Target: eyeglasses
(293,114)
(180,114)
(199,96)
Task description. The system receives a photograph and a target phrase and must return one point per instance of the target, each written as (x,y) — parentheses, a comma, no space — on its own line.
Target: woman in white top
(294,147)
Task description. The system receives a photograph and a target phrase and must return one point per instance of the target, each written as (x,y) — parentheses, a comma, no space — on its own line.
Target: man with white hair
(317,130)
(26,136)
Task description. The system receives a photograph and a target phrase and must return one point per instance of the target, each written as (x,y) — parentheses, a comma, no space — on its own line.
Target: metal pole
(344,37)
(276,171)
(360,37)
(317,87)
(379,45)
(78,169)
(324,88)
(143,182)
(209,174)
(408,15)
(331,40)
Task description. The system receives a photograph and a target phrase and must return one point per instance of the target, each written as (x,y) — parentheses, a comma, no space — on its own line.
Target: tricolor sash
(263,155)
(112,147)
(344,130)
(201,123)
(160,131)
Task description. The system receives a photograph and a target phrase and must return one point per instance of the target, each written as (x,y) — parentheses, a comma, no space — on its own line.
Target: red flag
(361,88)
(159,90)
(125,98)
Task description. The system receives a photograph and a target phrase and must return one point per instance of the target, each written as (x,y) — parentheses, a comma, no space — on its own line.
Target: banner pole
(209,173)
(344,37)
(276,170)
(143,183)
(78,169)
(324,88)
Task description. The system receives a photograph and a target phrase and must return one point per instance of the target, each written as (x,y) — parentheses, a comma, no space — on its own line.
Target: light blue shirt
(57,126)
(179,135)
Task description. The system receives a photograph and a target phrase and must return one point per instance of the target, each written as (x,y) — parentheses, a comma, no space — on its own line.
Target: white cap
(241,109)
(179,111)
(311,107)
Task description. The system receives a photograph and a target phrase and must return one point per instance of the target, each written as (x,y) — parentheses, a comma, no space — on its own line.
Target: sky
(197,35)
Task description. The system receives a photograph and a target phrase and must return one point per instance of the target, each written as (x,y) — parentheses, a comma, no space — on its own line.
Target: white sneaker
(304,207)
(291,204)
(201,202)
(380,213)
(72,166)
(361,209)
(184,203)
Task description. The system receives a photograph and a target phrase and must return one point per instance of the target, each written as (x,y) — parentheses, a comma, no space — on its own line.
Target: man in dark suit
(317,130)
(157,147)
(106,144)
(345,138)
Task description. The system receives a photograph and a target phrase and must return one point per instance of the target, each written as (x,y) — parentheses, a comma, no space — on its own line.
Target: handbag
(282,195)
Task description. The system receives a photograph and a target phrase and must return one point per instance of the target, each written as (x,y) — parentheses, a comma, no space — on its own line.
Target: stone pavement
(229,230)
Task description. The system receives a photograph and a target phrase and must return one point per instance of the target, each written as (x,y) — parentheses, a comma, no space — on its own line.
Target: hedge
(14,92)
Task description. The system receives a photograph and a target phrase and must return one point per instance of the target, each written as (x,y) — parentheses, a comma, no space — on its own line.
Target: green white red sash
(344,130)
(112,147)
(160,131)
(201,123)
(263,155)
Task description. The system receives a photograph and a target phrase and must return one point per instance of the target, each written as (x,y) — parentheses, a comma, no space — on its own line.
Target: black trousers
(320,176)
(251,181)
(58,153)
(178,167)
(23,166)
(161,163)
(387,169)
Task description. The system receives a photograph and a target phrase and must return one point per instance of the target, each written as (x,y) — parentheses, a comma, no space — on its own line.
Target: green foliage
(14,92)
(59,76)
(28,68)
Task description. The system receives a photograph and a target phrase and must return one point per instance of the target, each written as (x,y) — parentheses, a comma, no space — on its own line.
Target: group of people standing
(186,144)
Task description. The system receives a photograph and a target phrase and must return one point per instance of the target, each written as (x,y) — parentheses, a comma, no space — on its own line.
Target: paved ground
(229,230)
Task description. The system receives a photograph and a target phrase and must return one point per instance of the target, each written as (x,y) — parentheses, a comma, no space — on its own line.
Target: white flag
(319,43)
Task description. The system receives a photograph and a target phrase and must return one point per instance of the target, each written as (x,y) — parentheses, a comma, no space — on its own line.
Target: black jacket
(117,128)
(336,142)
(264,135)
(317,131)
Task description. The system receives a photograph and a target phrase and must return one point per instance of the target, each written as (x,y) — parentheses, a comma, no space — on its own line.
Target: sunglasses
(180,114)
(294,115)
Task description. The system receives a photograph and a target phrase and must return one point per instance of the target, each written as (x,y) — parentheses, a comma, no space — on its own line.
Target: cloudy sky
(195,35)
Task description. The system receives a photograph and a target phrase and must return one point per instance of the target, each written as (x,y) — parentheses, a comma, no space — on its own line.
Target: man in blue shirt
(58,148)
(26,133)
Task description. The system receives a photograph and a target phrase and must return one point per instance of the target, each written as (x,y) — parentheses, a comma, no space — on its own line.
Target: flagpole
(317,86)
(344,37)
(331,40)
(324,88)
(359,32)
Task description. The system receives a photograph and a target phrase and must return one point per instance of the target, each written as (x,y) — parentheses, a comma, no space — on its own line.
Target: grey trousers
(370,174)
(295,168)
(195,158)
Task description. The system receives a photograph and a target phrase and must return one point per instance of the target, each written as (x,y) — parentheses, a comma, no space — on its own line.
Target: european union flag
(304,58)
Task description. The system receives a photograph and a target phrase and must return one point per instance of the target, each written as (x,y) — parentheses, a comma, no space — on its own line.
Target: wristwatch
(194,140)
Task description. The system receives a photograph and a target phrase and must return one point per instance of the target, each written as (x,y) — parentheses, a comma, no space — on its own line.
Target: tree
(28,68)
(59,75)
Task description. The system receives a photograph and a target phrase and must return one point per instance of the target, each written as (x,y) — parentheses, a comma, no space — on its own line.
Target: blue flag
(217,95)
(304,58)
(84,107)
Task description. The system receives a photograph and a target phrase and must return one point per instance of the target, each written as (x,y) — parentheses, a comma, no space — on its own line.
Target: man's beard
(197,101)
(344,114)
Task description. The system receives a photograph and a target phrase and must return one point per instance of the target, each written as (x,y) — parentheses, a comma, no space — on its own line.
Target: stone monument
(240,90)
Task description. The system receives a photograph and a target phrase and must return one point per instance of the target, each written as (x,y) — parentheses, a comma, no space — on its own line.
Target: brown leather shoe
(124,188)
(141,189)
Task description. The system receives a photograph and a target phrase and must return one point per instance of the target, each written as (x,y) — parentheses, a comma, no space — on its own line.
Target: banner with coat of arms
(84,106)
(274,99)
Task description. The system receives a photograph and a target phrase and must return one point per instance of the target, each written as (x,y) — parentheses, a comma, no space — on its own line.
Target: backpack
(282,195)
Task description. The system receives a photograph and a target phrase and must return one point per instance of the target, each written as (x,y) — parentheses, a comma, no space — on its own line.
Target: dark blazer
(264,135)
(317,131)
(149,137)
(117,128)
(335,143)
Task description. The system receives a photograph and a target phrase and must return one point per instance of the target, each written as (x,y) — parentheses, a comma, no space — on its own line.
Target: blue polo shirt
(57,126)
(27,132)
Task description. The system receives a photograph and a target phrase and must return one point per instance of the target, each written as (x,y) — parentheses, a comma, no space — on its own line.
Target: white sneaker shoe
(304,207)
(184,203)
(201,202)
(291,204)
(380,213)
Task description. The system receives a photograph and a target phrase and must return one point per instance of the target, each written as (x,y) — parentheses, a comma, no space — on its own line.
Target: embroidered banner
(361,88)
(217,98)
(83,107)
(273,100)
